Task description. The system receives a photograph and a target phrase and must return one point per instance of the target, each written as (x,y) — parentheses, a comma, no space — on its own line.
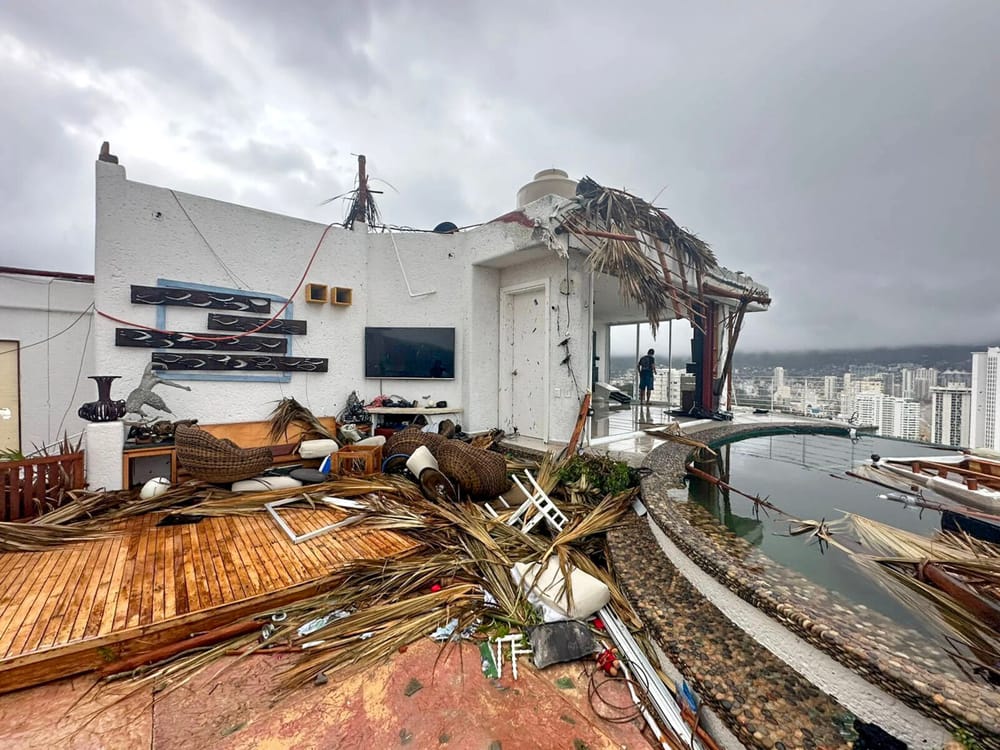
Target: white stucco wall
(32,309)
(569,317)
(143,235)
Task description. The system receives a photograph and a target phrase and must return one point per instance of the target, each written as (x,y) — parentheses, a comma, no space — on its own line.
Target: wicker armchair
(479,473)
(210,459)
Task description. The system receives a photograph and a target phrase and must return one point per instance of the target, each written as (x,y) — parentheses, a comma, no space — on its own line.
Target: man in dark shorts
(647,366)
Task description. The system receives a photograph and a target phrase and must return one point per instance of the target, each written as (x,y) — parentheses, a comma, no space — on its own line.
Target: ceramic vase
(105,409)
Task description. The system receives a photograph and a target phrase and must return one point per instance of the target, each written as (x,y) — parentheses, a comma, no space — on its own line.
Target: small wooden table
(130,454)
(377,411)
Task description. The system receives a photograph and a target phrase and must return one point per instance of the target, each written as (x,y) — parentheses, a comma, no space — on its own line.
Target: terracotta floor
(414,701)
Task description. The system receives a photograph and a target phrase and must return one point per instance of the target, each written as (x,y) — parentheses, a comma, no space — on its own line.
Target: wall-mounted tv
(411,353)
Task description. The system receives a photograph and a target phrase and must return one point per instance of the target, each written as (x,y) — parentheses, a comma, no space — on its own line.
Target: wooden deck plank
(122,597)
(90,596)
(231,563)
(68,604)
(60,630)
(105,599)
(181,603)
(32,595)
(116,575)
(213,562)
(260,544)
(222,571)
(306,550)
(55,605)
(200,560)
(251,566)
(138,605)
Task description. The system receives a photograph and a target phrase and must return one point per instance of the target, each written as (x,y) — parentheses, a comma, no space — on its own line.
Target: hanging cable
(241,334)
(235,279)
(54,335)
(79,371)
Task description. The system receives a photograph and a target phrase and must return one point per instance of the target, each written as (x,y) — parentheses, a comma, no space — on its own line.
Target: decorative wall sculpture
(158,295)
(217,322)
(153,340)
(243,336)
(200,361)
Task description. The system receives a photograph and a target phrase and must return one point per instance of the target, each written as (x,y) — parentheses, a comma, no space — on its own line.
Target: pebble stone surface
(763,700)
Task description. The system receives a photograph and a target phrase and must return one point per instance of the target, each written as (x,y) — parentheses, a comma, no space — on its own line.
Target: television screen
(410,353)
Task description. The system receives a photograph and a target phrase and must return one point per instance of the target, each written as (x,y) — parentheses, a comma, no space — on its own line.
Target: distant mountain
(942,356)
(837,361)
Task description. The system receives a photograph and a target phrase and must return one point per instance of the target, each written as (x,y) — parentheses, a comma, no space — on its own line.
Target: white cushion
(589,593)
(376,440)
(317,448)
(262,484)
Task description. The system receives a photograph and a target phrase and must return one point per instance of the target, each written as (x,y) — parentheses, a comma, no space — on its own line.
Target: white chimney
(547,182)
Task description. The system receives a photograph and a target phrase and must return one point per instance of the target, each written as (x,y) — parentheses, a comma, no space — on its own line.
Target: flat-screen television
(410,353)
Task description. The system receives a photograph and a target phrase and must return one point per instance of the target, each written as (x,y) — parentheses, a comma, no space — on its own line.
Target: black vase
(104,409)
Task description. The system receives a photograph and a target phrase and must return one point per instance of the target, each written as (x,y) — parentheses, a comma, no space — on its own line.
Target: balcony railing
(31,487)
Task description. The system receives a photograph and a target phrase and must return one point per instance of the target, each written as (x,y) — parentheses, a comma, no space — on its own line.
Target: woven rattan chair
(480,473)
(216,460)
(408,440)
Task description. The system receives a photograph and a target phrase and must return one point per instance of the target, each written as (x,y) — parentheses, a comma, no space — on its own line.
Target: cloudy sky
(846,154)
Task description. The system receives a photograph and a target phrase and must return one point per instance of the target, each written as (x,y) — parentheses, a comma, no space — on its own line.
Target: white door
(10,401)
(525,337)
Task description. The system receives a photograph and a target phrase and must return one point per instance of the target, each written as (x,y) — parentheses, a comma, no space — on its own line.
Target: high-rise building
(952,409)
(984,424)
(667,386)
(894,417)
(779,378)
(958,377)
(907,390)
(830,387)
(924,378)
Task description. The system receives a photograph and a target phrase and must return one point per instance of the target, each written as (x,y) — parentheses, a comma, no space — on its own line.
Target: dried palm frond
(624,234)
(892,542)
(289,412)
(223,502)
(33,537)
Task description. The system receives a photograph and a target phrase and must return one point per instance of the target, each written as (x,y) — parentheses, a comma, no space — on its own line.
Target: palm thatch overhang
(664,269)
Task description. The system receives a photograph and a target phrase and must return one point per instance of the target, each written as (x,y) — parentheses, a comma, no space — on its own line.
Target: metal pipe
(403,271)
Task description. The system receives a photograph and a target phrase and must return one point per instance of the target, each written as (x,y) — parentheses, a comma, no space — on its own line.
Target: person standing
(647,367)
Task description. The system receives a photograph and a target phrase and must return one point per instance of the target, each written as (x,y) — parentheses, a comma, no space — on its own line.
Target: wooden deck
(80,606)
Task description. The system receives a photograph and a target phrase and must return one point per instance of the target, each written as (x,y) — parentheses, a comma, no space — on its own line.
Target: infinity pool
(804,475)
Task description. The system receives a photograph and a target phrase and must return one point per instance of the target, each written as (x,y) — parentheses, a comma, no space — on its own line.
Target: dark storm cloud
(845,154)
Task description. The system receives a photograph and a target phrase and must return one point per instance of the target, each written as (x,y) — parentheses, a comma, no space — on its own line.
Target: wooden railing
(29,488)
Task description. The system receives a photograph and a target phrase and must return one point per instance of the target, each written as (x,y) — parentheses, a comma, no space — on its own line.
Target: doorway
(10,396)
(524,365)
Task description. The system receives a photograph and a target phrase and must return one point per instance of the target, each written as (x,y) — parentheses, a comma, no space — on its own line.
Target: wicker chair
(216,460)
(480,473)
(408,440)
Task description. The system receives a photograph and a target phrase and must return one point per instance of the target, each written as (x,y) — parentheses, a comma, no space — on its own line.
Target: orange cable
(235,335)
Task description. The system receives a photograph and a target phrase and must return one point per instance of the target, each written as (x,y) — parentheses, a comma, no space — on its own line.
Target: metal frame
(297,538)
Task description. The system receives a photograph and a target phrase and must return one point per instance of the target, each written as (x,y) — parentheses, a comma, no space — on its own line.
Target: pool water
(804,475)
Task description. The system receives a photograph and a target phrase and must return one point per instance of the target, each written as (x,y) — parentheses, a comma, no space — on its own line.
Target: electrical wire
(79,371)
(54,335)
(235,279)
(240,334)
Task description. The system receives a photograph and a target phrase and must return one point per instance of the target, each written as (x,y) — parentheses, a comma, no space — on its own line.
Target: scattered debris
(557,642)
(412,687)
